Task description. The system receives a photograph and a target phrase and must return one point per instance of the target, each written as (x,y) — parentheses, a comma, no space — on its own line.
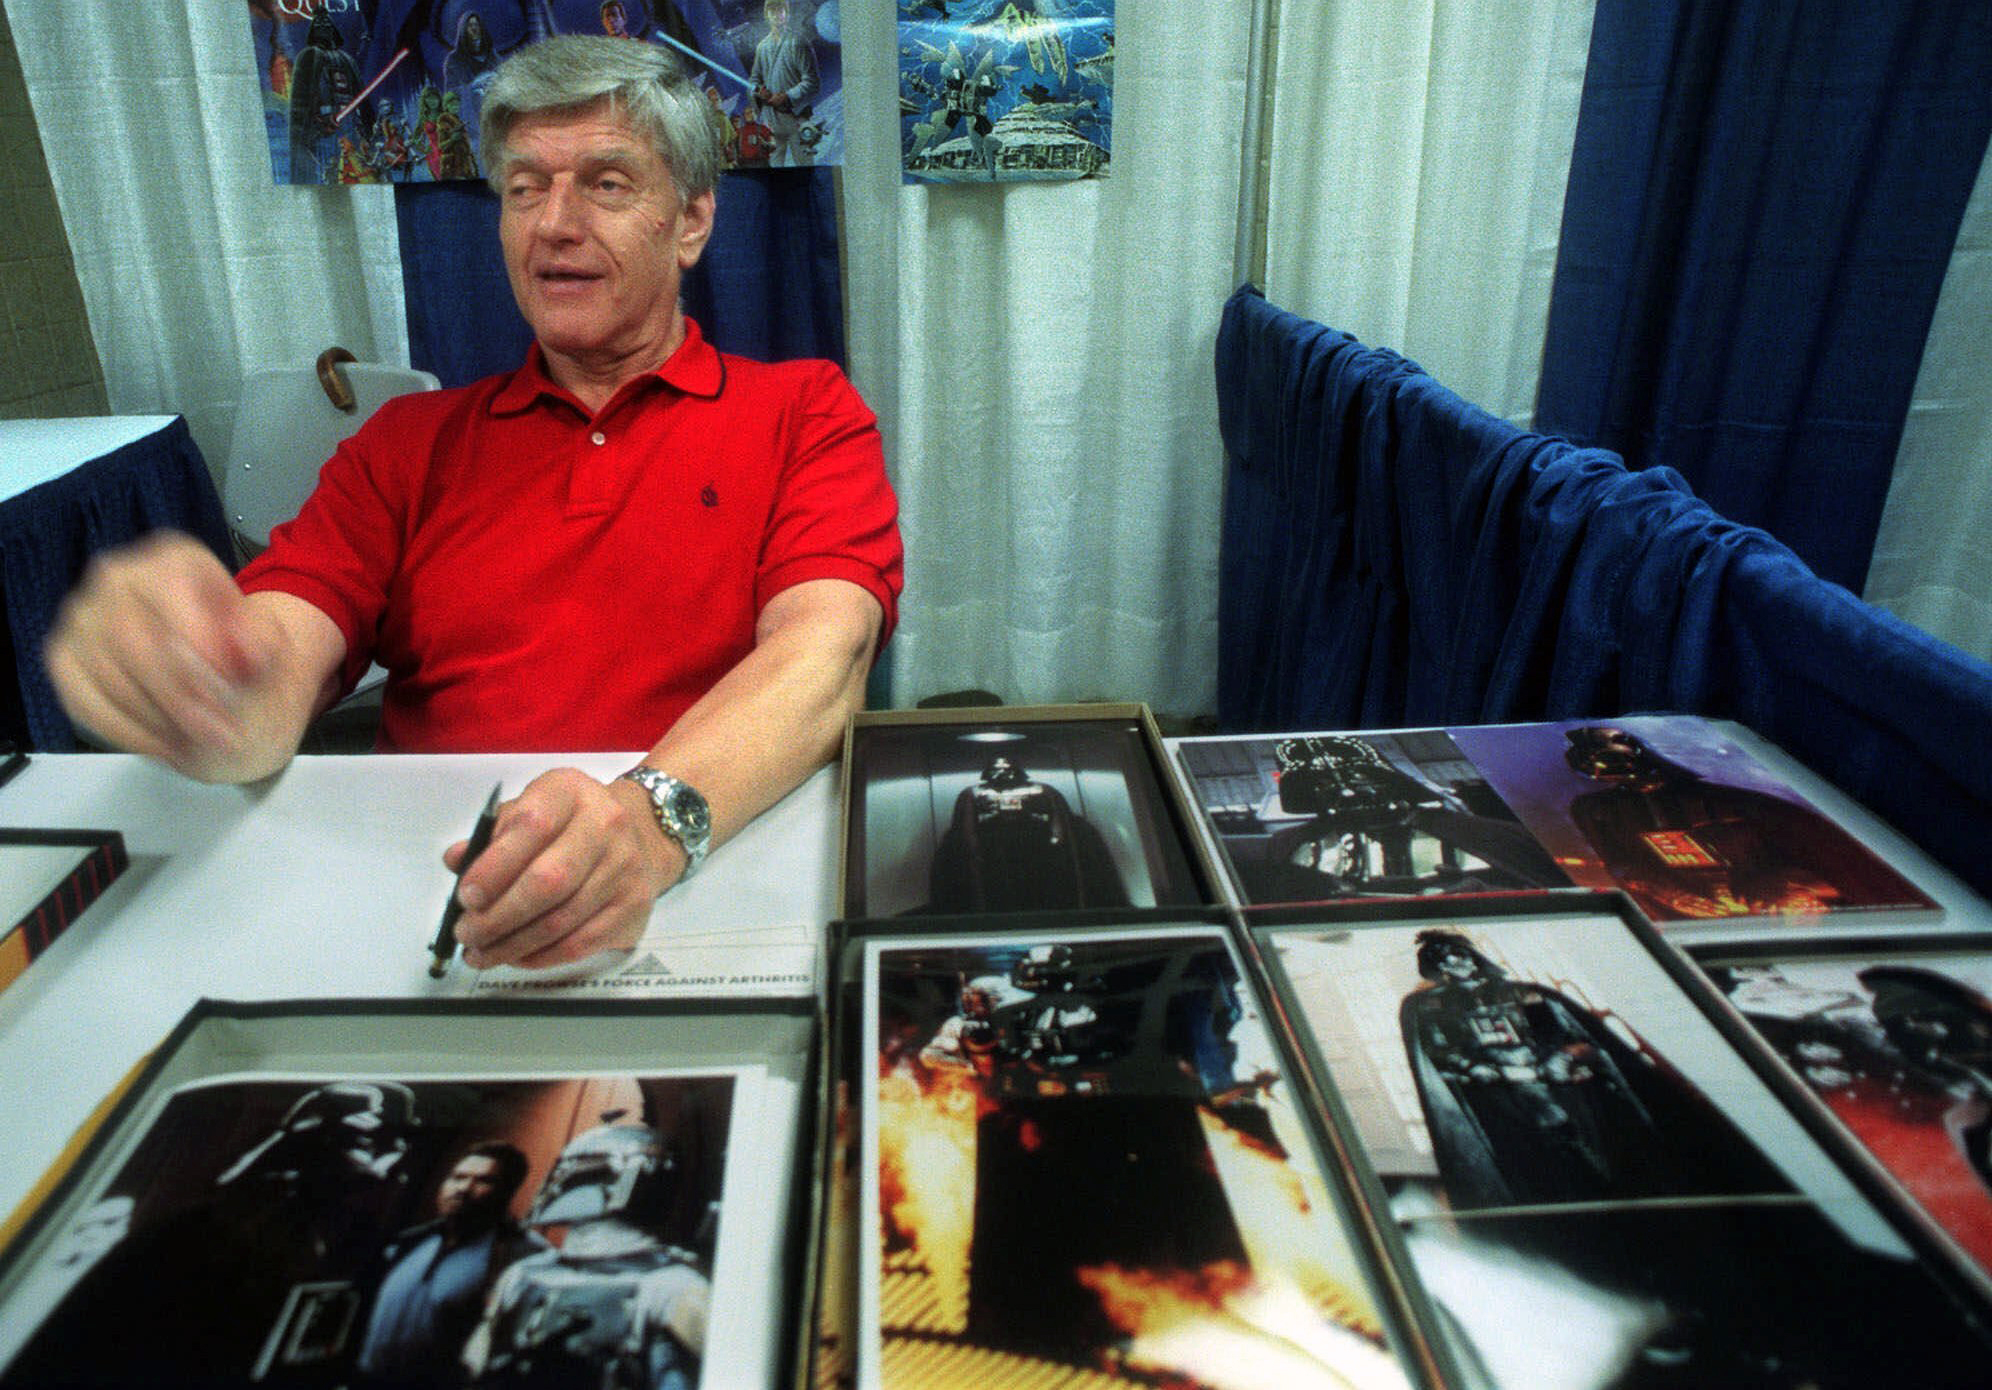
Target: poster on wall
(388,91)
(1005,90)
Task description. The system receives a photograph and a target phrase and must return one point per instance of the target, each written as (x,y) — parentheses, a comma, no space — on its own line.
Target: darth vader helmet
(350,1128)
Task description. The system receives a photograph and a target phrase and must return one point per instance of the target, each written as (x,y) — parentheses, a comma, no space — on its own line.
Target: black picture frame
(1088,818)
(1870,1030)
(706,1111)
(89,862)
(1581,1126)
(1138,1152)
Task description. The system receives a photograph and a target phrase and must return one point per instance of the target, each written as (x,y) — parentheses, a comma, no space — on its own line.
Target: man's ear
(695,228)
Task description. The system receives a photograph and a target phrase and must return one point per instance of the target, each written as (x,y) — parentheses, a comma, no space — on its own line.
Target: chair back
(287,425)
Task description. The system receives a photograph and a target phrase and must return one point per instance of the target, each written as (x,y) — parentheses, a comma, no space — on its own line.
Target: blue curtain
(1762,203)
(767,287)
(1395,556)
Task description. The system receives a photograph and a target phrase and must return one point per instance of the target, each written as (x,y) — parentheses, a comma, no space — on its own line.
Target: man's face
(596,237)
(472,1186)
(777,14)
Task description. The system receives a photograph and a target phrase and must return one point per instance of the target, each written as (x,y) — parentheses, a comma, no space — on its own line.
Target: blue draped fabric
(49,533)
(767,287)
(1762,203)
(1395,556)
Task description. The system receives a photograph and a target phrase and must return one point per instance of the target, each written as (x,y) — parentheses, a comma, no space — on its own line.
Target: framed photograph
(1894,1038)
(431,1192)
(1698,831)
(1046,808)
(47,879)
(1594,1173)
(1303,818)
(1081,1162)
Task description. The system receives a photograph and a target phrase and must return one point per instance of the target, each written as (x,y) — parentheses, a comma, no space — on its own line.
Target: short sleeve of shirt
(835,516)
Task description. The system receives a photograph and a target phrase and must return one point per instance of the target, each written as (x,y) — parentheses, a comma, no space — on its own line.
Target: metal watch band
(681,812)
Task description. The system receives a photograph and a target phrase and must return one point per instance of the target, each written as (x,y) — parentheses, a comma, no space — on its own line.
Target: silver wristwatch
(681,812)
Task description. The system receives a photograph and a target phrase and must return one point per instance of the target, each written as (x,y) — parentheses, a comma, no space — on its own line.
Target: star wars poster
(1009,816)
(1084,1167)
(995,90)
(1306,818)
(1684,820)
(1569,1146)
(388,91)
(1899,1048)
(373,1231)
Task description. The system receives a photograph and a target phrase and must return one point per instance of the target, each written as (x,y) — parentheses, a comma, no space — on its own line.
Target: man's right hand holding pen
(573,868)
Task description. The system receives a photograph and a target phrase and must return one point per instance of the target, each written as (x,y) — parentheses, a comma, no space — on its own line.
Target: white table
(33,452)
(325,882)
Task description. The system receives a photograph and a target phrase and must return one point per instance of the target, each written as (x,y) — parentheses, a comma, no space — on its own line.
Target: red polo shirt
(535,579)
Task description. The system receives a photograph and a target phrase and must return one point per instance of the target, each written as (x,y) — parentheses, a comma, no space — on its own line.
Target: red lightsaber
(392,64)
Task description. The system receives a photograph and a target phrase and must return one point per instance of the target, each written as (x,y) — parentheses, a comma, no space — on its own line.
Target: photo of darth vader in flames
(1085,1164)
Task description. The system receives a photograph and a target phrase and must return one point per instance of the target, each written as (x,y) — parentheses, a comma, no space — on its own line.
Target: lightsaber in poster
(367,90)
(704,61)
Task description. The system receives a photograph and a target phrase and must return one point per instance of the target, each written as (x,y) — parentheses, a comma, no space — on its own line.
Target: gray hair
(645,83)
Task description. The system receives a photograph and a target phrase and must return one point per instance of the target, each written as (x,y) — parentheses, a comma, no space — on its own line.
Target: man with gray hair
(633,541)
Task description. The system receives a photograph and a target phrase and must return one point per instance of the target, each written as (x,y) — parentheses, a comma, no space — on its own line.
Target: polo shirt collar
(693,370)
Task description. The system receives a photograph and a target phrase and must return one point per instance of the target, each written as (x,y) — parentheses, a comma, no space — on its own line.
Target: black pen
(445,947)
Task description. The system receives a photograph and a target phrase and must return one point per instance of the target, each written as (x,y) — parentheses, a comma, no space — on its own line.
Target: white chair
(287,424)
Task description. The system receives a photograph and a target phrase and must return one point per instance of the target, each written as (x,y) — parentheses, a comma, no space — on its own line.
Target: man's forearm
(780,714)
(574,866)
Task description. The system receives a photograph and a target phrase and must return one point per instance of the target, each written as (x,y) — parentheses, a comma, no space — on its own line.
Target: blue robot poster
(1002,90)
(389,91)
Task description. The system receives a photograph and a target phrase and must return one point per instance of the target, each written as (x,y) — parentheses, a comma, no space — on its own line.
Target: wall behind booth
(48,361)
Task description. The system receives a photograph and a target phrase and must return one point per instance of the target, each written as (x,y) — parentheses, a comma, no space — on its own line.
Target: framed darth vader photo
(1592,1168)
(1024,809)
(430,1193)
(1892,1037)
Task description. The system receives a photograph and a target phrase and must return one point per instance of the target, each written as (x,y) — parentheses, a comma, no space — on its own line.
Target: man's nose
(560,216)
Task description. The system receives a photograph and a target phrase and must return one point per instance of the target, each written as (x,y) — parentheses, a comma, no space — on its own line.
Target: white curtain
(1419,154)
(1933,556)
(1041,357)
(195,267)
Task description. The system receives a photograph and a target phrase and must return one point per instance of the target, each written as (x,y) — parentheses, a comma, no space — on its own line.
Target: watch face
(689,809)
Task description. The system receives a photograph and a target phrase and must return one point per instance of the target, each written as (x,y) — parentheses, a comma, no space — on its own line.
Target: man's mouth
(556,276)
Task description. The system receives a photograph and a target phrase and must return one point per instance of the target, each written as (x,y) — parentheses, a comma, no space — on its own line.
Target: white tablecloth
(33,452)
